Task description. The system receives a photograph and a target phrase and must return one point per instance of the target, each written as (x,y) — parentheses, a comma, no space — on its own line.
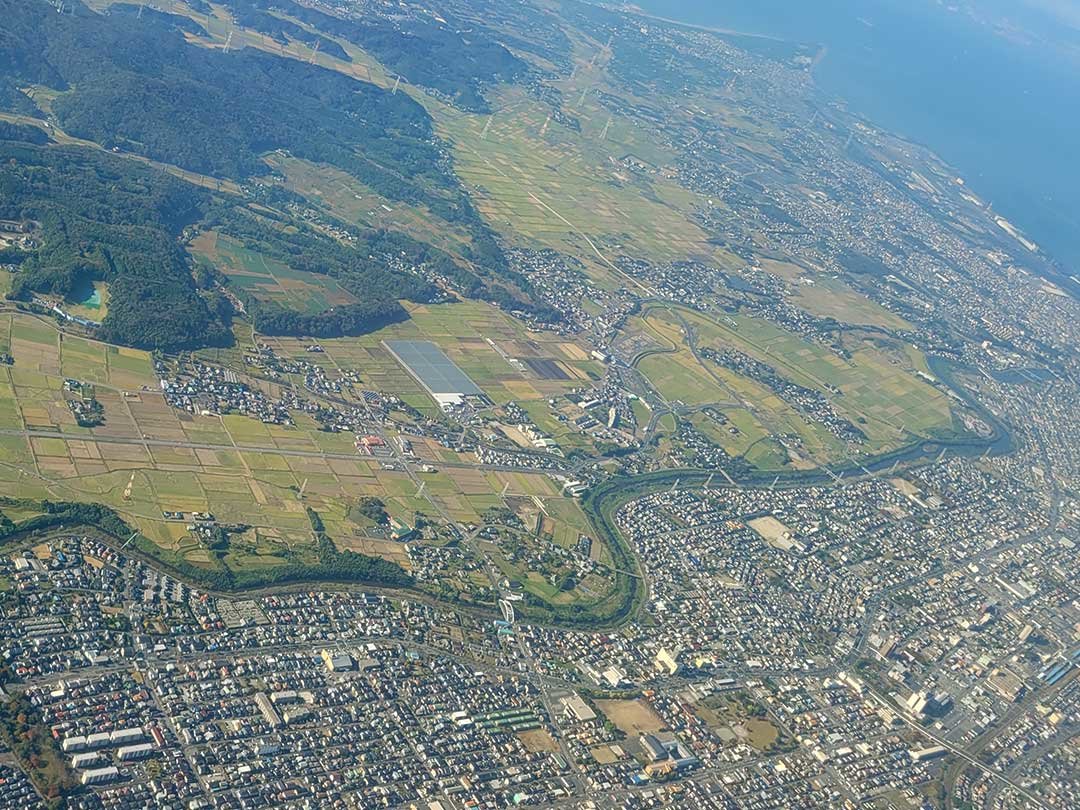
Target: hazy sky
(1065,11)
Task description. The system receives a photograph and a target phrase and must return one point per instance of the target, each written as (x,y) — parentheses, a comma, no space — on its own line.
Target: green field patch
(276,478)
(332,442)
(767,454)
(32,330)
(10,418)
(49,447)
(264,461)
(28,378)
(83,360)
(206,430)
(318,482)
(129,368)
(14,450)
(268,279)
(229,458)
(177,485)
(242,561)
(348,199)
(179,456)
(680,378)
(14,480)
(245,430)
(225,485)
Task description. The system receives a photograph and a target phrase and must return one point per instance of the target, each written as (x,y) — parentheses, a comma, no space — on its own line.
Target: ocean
(1003,110)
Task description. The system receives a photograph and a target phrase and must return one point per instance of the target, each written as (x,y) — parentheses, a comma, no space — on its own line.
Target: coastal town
(616,422)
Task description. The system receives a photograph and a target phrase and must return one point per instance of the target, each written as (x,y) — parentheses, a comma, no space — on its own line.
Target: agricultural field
(148,458)
(872,385)
(465,332)
(552,187)
(755,414)
(829,297)
(343,196)
(742,436)
(268,279)
(878,390)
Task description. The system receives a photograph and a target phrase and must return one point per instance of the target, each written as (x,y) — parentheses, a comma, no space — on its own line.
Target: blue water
(86,293)
(1004,111)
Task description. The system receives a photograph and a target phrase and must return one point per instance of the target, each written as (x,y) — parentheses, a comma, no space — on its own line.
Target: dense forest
(109,218)
(22,132)
(378,267)
(524,27)
(139,86)
(375,259)
(161,18)
(11,98)
(433,55)
(249,16)
(132,83)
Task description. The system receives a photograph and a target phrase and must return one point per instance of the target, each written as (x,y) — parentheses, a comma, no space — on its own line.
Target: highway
(247,448)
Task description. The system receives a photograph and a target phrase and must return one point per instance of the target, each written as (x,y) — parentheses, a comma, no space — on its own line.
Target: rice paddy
(149,458)
(875,390)
(268,279)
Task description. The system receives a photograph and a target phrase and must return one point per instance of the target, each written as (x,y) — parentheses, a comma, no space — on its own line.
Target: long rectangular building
(100,775)
(267,709)
(437,373)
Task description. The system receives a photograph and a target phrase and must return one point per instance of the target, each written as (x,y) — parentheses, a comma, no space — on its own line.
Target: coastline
(1056,257)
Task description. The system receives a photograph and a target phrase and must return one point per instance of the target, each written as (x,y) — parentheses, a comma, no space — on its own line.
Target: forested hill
(436,56)
(105,217)
(109,218)
(136,85)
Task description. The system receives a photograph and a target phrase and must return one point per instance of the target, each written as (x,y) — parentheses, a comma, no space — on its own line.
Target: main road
(247,448)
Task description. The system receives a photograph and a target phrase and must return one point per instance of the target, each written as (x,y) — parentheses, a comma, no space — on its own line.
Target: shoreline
(1052,265)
